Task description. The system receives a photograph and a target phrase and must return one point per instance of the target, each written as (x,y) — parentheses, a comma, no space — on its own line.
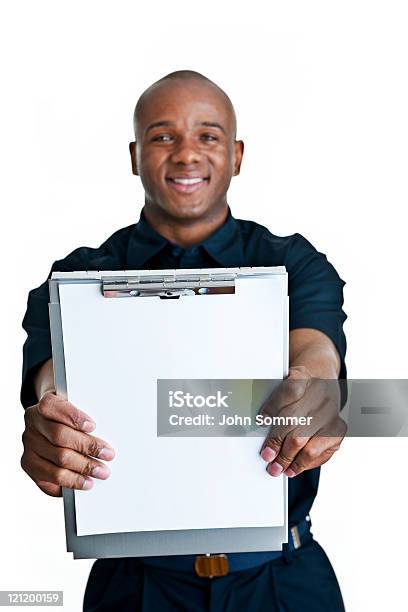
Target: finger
(277,434)
(291,433)
(290,448)
(274,441)
(65,457)
(315,453)
(49,488)
(320,448)
(56,408)
(40,469)
(271,448)
(66,437)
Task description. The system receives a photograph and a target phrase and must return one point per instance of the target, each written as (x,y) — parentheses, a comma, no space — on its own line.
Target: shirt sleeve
(37,347)
(316,295)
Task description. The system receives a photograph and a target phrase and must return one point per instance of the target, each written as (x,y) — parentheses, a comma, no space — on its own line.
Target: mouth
(184,184)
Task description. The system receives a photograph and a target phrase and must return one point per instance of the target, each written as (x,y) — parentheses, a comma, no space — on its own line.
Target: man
(186,153)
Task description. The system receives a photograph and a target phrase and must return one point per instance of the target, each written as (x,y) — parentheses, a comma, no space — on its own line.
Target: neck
(184,232)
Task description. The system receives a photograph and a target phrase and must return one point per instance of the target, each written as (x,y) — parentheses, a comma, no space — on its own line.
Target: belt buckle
(211,566)
(295,537)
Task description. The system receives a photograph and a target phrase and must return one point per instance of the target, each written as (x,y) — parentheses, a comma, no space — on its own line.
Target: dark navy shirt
(315,294)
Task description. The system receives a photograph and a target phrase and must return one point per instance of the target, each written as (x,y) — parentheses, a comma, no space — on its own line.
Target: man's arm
(58,448)
(315,351)
(307,391)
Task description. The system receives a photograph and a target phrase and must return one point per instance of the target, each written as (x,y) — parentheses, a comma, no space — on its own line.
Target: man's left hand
(293,449)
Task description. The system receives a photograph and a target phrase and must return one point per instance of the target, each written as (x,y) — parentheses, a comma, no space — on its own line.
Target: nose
(185,153)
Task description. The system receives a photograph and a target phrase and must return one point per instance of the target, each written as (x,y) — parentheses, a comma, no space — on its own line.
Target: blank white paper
(116,349)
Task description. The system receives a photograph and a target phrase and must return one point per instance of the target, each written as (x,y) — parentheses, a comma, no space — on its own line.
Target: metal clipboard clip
(169,286)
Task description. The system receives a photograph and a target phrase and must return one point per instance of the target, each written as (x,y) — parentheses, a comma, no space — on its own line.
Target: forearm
(44,379)
(315,351)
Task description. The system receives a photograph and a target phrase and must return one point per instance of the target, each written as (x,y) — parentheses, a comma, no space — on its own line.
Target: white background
(320,91)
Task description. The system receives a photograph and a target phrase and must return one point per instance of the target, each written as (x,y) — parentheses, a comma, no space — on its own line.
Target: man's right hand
(58,450)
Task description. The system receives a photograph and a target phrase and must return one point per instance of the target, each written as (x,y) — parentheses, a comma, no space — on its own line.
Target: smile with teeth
(187,185)
(187,181)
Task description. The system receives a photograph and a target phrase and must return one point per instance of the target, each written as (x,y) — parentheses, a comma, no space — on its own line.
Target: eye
(208,137)
(162,138)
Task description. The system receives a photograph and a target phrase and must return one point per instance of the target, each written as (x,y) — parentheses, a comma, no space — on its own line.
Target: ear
(239,152)
(132,151)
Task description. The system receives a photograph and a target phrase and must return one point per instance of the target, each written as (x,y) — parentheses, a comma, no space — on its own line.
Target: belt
(220,564)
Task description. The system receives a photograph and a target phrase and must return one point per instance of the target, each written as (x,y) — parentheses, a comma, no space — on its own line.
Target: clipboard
(191,289)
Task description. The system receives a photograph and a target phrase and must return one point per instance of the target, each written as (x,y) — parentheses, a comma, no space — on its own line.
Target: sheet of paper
(115,349)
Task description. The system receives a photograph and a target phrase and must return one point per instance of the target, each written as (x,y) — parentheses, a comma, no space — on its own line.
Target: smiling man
(186,154)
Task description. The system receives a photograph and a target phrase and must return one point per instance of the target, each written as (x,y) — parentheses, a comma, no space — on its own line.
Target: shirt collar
(224,245)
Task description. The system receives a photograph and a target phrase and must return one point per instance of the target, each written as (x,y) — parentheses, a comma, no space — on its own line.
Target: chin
(187,210)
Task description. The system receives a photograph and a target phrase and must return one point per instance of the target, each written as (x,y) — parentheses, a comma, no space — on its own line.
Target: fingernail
(106,453)
(87,484)
(88,426)
(101,471)
(274,469)
(268,454)
(290,473)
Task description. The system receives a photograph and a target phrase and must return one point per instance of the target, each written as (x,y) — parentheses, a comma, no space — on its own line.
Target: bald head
(182,79)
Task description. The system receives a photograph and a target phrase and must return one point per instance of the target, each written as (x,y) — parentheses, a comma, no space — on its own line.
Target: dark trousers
(299,581)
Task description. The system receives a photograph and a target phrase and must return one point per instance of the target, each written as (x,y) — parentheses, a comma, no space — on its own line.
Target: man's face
(185,152)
